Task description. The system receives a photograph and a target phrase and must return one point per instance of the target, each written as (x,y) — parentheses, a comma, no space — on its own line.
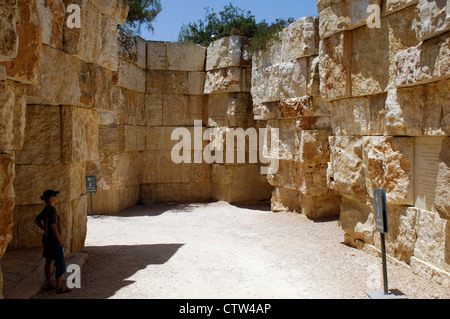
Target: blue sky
(175,13)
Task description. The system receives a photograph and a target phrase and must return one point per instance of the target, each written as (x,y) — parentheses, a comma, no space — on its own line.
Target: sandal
(62,291)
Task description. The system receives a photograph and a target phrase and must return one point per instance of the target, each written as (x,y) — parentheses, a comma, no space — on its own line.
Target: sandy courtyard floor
(221,251)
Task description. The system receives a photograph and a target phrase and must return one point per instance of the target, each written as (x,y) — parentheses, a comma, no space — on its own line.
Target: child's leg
(47,271)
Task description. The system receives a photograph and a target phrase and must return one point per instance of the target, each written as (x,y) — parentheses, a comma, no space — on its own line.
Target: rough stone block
(313,148)
(228,80)
(7,199)
(388,164)
(441,202)
(121,138)
(344,15)
(9,38)
(182,110)
(157,55)
(285,200)
(79,134)
(300,39)
(293,77)
(130,76)
(432,18)
(51,17)
(128,106)
(265,85)
(42,144)
(185,57)
(95,86)
(224,53)
(357,218)
(229,109)
(59,81)
(154,109)
(167,82)
(391,6)
(346,174)
(25,68)
(116,9)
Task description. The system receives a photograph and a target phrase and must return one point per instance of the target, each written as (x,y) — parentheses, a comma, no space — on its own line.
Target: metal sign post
(91,187)
(382,227)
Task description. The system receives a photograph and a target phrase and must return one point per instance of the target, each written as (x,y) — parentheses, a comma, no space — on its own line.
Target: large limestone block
(432,18)
(7,198)
(286,176)
(344,15)
(287,139)
(186,57)
(300,39)
(420,110)
(153,109)
(130,76)
(313,148)
(128,107)
(132,48)
(323,4)
(167,82)
(317,207)
(116,9)
(12,115)
(32,180)
(100,47)
(285,200)
(79,134)
(157,55)
(265,85)
(224,53)
(391,6)
(51,16)
(388,164)
(346,174)
(172,192)
(441,201)
(229,109)
(293,78)
(42,145)
(25,68)
(9,38)
(428,61)
(372,62)
(121,138)
(59,81)
(431,245)
(335,71)
(356,218)
(95,85)
(182,110)
(233,79)
(359,115)
(115,200)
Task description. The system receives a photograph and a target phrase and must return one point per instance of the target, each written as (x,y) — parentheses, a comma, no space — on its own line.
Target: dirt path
(221,251)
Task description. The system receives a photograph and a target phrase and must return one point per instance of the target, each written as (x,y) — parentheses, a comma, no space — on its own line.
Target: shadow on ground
(109,268)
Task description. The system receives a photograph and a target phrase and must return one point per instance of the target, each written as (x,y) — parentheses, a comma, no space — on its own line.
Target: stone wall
(388,88)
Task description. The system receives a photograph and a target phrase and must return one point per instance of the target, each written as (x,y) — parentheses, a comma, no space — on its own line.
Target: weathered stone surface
(228,80)
(100,47)
(182,110)
(391,6)
(334,65)
(9,39)
(157,55)
(344,15)
(95,86)
(394,36)
(388,164)
(167,82)
(224,53)
(128,107)
(313,148)
(442,204)
(228,181)
(357,219)
(116,9)
(32,180)
(229,109)
(42,145)
(51,16)
(432,18)
(285,200)
(121,138)
(300,39)
(25,68)
(293,78)
(153,109)
(185,57)
(169,192)
(428,61)
(59,81)
(359,116)
(417,111)
(79,134)
(130,76)
(7,198)
(346,174)
(265,85)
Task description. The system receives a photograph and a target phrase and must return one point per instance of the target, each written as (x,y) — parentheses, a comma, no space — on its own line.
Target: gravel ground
(221,251)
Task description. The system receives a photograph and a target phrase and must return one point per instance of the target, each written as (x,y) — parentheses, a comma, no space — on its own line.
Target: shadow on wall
(109,267)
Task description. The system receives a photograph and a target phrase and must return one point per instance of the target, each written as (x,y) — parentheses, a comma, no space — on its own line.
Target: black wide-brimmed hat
(48,194)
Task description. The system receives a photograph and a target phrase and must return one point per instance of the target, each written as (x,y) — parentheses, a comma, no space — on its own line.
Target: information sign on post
(381,220)
(91,187)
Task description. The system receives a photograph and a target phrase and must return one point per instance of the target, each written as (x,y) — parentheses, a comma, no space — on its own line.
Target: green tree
(232,21)
(142,12)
